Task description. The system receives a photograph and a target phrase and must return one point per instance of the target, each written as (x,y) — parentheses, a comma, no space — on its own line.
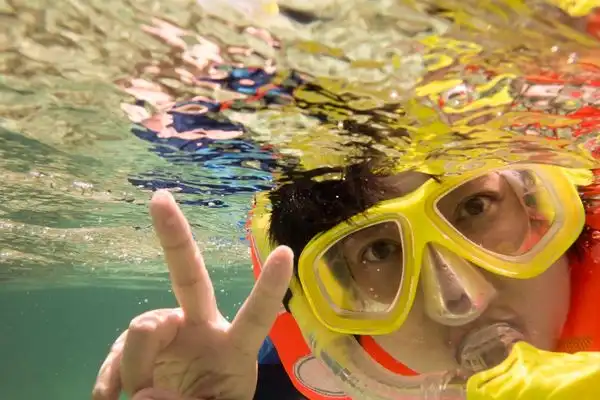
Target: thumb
(254,320)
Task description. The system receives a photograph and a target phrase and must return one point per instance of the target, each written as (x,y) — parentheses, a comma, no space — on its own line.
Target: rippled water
(100,103)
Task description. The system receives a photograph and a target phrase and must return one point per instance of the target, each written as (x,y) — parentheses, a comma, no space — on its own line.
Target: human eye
(476,206)
(381,251)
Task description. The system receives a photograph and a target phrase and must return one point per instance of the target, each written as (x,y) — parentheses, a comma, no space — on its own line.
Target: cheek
(420,344)
(542,303)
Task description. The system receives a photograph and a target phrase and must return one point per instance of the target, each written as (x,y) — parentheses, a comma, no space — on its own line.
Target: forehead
(401,184)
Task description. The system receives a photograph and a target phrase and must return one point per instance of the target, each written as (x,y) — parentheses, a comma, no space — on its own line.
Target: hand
(193,350)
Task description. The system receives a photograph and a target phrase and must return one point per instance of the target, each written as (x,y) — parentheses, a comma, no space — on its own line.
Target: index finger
(189,278)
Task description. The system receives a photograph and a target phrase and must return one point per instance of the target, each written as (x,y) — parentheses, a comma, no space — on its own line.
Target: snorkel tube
(361,377)
(364,378)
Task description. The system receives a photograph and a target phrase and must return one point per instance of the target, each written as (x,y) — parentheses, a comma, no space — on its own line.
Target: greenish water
(52,341)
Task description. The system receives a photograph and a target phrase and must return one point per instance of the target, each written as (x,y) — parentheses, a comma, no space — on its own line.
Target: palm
(201,362)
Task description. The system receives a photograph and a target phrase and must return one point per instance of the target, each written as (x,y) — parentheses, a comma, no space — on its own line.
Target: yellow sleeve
(532,374)
(576,8)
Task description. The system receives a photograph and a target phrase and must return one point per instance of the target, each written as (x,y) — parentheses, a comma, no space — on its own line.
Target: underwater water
(103,102)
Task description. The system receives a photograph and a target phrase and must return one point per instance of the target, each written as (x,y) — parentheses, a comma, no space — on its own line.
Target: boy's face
(538,306)
(489,211)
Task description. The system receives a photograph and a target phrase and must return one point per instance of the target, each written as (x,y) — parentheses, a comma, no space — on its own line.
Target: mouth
(486,345)
(497,315)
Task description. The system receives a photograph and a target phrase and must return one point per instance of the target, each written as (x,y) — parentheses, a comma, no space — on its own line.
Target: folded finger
(148,335)
(108,381)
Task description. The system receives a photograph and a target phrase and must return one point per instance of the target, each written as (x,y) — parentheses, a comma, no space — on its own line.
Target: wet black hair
(305,206)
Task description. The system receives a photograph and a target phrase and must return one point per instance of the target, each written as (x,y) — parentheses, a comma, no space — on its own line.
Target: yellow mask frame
(421,224)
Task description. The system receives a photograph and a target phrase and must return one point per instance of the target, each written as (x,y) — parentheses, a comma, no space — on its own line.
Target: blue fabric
(267,353)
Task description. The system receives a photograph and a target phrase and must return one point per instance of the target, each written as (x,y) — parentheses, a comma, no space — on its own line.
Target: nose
(455,291)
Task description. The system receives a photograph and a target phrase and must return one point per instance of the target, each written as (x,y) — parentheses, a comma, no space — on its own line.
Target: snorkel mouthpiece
(487,347)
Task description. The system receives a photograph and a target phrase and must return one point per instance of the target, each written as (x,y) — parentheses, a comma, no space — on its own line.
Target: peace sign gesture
(193,350)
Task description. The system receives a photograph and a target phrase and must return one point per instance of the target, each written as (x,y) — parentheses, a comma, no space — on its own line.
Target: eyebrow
(477,183)
(401,184)
(464,189)
(376,231)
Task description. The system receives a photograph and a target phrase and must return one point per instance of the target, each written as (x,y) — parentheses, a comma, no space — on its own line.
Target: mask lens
(506,212)
(362,272)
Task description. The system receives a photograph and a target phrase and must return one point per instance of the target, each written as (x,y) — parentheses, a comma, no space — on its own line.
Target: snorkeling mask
(361,276)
